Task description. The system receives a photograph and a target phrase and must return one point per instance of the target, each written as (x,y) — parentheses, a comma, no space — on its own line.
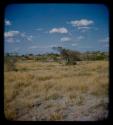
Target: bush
(10,63)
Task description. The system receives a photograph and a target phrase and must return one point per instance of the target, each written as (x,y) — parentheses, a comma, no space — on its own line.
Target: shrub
(10,63)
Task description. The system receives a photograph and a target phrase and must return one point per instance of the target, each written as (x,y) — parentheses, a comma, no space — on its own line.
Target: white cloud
(42,46)
(84,28)
(81,23)
(64,39)
(74,44)
(80,37)
(58,30)
(10,40)
(29,38)
(7,23)
(105,40)
(33,47)
(11,33)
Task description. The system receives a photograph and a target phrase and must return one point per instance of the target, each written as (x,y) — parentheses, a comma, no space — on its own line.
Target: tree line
(63,55)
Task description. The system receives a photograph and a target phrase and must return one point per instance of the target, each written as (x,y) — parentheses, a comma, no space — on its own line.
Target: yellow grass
(40,81)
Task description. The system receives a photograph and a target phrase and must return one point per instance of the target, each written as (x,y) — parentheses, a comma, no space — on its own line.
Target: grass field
(52,91)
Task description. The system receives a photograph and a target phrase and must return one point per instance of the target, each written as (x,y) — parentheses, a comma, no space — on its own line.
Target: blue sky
(36,28)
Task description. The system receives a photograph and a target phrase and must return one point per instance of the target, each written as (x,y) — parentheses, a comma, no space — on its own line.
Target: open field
(52,91)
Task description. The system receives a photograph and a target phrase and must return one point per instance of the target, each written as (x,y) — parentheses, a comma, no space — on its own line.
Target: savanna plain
(51,91)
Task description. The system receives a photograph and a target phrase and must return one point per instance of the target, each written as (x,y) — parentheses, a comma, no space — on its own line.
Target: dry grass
(42,82)
(56,116)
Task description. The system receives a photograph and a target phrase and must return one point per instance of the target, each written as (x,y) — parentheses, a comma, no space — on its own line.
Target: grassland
(39,91)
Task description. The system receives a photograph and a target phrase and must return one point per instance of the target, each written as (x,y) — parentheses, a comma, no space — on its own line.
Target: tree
(68,55)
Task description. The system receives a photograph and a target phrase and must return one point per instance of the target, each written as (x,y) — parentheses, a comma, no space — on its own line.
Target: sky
(37,28)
